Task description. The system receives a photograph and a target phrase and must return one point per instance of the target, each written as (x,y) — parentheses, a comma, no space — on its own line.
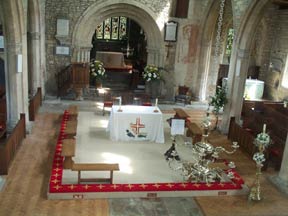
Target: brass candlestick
(262,141)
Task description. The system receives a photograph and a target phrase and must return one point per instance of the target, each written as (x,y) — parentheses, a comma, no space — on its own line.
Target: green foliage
(219,100)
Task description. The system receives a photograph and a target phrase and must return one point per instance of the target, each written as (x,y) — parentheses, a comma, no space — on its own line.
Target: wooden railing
(63,80)
(34,104)
(9,147)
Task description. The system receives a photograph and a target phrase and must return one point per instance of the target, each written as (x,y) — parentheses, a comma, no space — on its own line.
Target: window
(113,28)
(285,74)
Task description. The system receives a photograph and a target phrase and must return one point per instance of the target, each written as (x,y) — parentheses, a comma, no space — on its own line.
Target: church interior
(138,78)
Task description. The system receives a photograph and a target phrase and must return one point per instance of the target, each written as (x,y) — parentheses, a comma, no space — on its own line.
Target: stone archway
(206,49)
(85,27)
(15,44)
(209,64)
(240,60)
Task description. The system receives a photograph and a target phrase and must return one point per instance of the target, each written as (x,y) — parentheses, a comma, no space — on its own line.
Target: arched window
(285,74)
(113,28)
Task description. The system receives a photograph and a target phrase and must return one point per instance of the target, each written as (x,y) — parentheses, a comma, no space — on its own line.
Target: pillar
(2,182)
(236,85)
(281,180)
(34,61)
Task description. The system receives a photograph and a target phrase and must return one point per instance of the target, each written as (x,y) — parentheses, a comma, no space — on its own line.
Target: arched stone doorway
(85,27)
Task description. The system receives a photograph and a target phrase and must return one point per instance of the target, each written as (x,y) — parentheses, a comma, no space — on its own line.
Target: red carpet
(56,186)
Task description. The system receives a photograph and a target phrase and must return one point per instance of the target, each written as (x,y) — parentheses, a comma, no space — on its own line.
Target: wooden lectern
(80,78)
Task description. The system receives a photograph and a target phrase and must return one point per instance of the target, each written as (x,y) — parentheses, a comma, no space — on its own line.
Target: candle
(156,102)
(264,128)
(120,101)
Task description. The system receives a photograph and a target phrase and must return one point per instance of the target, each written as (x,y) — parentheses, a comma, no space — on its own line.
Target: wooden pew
(95,167)
(275,116)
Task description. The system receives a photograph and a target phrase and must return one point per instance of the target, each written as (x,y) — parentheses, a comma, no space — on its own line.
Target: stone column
(281,180)
(155,56)
(2,182)
(81,54)
(34,61)
(236,86)
(17,89)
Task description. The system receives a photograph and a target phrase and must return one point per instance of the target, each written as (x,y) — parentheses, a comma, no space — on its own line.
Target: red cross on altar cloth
(136,127)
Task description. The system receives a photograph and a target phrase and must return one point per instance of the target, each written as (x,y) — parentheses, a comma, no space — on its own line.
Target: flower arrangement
(151,72)
(259,158)
(97,70)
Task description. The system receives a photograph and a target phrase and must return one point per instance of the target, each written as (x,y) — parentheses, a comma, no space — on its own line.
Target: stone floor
(26,185)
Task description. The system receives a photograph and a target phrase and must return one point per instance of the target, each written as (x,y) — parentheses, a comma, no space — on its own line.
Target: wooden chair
(183,95)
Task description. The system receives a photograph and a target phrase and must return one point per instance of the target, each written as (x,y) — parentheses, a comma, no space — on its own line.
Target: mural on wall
(189,47)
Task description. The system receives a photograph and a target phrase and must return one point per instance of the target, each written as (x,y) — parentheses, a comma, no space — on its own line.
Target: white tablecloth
(136,123)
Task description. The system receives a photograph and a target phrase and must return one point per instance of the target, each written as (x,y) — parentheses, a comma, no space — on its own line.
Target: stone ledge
(280,184)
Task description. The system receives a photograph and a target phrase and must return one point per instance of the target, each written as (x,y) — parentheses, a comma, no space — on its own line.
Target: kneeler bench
(68,151)
(194,131)
(95,167)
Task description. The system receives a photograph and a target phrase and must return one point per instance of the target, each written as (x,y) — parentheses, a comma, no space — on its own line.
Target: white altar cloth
(136,123)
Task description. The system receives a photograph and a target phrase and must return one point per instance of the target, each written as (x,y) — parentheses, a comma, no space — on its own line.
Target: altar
(136,123)
(113,61)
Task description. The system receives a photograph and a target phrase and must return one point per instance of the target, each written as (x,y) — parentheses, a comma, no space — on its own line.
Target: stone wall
(73,10)
(270,51)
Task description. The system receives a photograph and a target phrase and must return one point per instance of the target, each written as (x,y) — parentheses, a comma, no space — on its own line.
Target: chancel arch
(86,25)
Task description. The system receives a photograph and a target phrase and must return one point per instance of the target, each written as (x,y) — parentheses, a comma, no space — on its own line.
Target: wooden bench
(95,167)
(194,131)
(68,151)
(73,112)
(71,129)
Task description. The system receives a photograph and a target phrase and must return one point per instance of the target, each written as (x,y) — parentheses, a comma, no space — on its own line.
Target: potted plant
(218,101)
(97,72)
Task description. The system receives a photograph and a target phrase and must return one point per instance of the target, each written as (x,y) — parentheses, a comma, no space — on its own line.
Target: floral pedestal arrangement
(97,73)
(153,88)
(153,80)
